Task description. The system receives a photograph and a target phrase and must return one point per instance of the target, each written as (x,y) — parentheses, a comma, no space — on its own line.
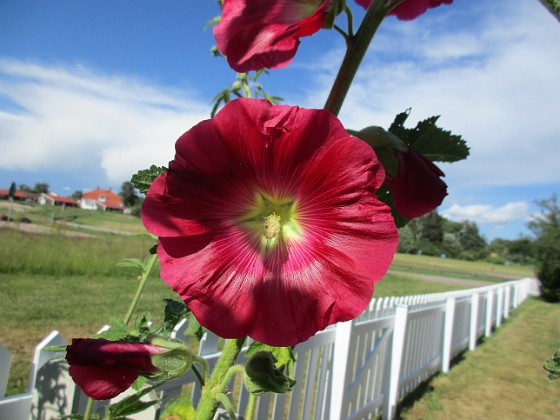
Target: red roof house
(99,199)
(51,199)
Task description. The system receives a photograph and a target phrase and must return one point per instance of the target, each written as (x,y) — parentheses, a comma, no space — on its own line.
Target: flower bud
(261,375)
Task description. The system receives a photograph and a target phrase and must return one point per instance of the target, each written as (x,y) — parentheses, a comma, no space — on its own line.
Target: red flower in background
(409,9)
(417,188)
(254,34)
(104,369)
(268,223)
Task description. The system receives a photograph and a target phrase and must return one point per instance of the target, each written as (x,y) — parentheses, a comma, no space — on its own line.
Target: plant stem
(208,402)
(89,408)
(250,410)
(357,47)
(140,289)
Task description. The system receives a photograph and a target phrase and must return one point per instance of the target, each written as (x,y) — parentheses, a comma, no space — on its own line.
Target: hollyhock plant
(417,187)
(409,9)
(256,34)
(268,223)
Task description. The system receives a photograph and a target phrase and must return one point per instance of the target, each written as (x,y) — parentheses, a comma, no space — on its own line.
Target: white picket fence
(354,370)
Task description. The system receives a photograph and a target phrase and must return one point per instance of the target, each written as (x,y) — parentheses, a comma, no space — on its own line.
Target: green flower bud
(173,362)
(262,375)
(377,137)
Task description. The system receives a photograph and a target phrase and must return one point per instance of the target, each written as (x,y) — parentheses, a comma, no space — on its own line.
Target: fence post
(399,331)
(340,363)
(474,322)
(499,308)
(489,304)
(448,334)
(507,301)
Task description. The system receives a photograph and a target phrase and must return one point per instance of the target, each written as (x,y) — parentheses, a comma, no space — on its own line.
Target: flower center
(272,220)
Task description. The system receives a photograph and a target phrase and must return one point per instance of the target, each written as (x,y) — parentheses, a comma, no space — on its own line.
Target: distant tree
(25,188)
(128,194)
(77,195)
(473,244)
(41,187)
(546,228)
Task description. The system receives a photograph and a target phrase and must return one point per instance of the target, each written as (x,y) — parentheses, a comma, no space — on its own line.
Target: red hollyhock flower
(417,188)
(254,34)
(409,9)
(268,223)
(104,369)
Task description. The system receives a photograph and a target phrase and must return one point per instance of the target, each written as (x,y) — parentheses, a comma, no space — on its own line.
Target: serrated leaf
(144,178)
(118,331)
(435,143)
(174,312)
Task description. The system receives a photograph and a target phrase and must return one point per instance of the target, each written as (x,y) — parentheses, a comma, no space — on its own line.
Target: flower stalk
(145,275)
(209,402)
(357,47)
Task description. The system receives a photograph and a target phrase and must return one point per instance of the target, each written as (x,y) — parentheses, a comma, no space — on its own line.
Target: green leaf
(194,328)
(180,407)
(132,263)
(435,143)
(118,331)
(144,178)
(174,312)
(552,366)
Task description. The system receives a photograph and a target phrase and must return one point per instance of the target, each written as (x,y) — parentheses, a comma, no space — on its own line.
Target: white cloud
(78,119)
(492,79)
(488,214)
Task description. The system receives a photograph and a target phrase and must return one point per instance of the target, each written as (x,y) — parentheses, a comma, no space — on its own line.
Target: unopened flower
(409,9)
(268,223)
(104,369)
(254,34)
(417,187)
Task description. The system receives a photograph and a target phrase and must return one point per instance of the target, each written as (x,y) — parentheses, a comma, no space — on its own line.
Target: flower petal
(254,34)
(417,189)
(102,383)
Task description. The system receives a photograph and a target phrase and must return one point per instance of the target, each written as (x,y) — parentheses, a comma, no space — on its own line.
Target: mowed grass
(503,378)
(477,270)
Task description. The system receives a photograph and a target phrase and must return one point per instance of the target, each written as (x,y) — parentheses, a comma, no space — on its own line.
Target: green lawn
(503,378)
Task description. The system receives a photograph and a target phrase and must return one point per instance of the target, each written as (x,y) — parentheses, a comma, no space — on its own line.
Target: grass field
(73,285)
(503,378)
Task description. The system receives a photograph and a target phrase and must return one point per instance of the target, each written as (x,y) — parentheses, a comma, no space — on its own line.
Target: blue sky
(92,91)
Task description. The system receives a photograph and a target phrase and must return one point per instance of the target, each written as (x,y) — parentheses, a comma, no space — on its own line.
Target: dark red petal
(263,33)
(411,9)
(111,354)
(101,383)
(417,189)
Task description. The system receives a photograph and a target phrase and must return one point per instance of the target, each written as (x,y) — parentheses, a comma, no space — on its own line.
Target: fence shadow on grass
(425,387)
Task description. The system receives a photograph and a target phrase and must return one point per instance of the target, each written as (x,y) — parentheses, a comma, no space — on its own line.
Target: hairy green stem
(357,47)
(250,410)
(140,289)
(208,402)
